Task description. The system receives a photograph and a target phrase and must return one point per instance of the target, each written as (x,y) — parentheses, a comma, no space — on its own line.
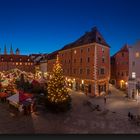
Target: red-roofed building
(12,61)
(120,68)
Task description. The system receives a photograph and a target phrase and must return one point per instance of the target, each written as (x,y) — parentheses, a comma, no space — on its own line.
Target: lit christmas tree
(58,98)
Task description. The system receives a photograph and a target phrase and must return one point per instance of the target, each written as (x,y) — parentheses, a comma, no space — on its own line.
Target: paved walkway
(80,120)
(118,103)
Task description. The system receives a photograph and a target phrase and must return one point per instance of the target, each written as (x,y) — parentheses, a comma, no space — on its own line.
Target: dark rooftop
(93,36)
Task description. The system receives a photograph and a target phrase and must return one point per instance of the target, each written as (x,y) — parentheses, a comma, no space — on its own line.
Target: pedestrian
(105,99)
(129,115)
(109,93)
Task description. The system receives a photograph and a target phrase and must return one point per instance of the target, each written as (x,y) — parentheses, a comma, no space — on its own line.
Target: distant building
(120,68)
(12,61)
(134,71)
(40,62)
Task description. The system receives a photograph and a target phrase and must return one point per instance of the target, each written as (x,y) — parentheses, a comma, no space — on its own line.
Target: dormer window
(99,39)
(20,59)
(28,59)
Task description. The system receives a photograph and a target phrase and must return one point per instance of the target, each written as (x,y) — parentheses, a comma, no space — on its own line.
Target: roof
(125,48)
(52,55)
(94,36)
(14,58)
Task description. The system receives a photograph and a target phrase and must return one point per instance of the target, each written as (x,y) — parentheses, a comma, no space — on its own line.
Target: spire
(5,50)
(17,51)
(11,50)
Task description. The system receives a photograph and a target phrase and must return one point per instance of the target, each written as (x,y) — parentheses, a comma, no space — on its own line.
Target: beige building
(134,71)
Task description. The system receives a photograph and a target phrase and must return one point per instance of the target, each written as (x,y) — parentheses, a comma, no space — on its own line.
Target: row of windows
(81,60)
(122,74)
(20,63)
(81,71)
(123,63)
(11,59)
(82,50)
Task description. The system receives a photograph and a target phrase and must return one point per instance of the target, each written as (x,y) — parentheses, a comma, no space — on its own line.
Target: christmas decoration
(58,99)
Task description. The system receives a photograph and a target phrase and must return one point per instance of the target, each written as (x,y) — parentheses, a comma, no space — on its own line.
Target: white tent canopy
(14,99)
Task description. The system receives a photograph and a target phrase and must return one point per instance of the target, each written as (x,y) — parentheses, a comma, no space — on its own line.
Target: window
(75,51)
(88,49)
(17,63)
(137,54)
(20,63)
(81,71)
(74,71)
(74,60)
(133,75)
(133,63)
(99,39)
(88,71)
(118,73)
(122,74)
(102,71)
(69,61)
(81,60)
(88,59)
(103,59)
(122,54)
(103,50)
(81,50)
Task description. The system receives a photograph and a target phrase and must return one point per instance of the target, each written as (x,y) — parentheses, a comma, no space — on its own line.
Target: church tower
(11,50)
(17,52)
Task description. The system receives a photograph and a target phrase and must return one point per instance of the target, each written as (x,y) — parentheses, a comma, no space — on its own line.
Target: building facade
(120,68)
(134,72)
(13,61)
(86,63)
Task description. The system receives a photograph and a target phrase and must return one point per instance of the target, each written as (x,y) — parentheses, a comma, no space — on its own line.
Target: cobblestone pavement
(80,120)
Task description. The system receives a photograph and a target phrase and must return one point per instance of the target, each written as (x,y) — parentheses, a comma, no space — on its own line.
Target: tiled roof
(125,48)
(15,58)
(93,36)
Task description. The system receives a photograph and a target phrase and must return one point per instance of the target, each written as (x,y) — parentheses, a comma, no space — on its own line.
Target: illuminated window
(28,59)
(133,75)
(20,59)
(20,63)
(17,63)
(25,63)
(137,54)
(103,50)
(75,52)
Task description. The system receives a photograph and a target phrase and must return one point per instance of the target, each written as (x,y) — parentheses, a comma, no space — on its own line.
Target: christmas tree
(58,99)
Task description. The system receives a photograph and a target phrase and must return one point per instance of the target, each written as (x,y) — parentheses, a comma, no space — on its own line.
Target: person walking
(105,100)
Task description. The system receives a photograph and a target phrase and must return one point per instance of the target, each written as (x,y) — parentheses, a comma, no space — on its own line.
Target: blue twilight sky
(43,26)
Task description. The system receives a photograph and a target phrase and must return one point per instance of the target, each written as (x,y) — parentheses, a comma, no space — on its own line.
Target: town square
(69,68)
